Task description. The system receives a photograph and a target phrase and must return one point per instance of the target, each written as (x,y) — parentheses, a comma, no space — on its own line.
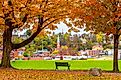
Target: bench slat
(62,64)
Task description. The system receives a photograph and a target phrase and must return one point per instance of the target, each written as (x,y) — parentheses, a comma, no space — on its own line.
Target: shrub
(26,54)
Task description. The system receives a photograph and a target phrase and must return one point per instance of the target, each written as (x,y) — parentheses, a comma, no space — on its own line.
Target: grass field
(75,64)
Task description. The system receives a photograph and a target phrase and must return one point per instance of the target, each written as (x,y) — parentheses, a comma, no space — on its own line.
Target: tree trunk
(7,47)
(115,57)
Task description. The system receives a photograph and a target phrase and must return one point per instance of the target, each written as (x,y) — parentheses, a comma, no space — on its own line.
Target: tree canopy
(22,14)
(101,16)
(19,14)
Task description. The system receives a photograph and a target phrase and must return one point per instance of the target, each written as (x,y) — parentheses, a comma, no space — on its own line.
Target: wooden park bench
(66,64)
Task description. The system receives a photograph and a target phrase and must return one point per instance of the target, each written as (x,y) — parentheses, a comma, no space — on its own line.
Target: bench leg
(56,67)
(68,67)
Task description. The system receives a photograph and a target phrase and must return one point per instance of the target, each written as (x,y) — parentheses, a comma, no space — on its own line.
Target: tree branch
(46,1)
(52,20)
(49,23)
(104,6)
(1,17)
(119,29)
(26,15)
(53,17)
(13,15)
(23,20)
(25,42)
(28,1)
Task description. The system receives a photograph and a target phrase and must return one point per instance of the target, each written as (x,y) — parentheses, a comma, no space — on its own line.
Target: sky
(63,27)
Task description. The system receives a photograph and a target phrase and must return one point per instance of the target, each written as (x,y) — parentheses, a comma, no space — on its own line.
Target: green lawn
(75,64)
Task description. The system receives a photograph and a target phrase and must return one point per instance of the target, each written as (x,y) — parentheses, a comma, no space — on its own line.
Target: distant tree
(99,37)
(28,32)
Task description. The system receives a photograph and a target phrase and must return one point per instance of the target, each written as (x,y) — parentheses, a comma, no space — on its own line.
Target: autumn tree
(99,37)
(21,14)
(101,16)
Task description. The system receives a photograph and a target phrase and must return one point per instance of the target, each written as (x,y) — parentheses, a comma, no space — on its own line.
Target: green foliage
(99,37)
(26,54)
(28,32)
(45,42)
(55,52)
(119,47)
(17,39)
(110,46)
(30,49)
